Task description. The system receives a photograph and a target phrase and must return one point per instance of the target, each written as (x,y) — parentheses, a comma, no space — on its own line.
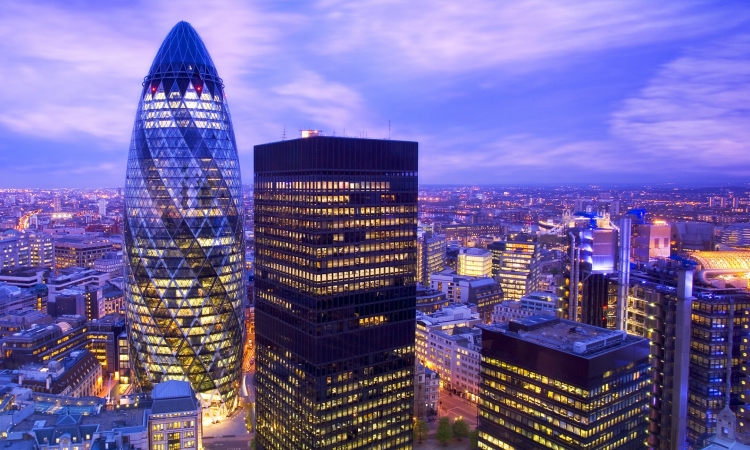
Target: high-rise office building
(552,383)
(589,280)
(692,328)
(430,256)
(183,235)
(511,264)
(335,292)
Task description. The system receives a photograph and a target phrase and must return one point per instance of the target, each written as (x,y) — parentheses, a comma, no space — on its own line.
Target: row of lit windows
(262,210)
(311,224)
(323,185)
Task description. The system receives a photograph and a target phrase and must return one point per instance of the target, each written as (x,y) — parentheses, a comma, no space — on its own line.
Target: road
(454,407)
(227,443)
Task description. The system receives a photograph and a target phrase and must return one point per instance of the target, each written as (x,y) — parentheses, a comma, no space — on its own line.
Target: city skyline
(529,92)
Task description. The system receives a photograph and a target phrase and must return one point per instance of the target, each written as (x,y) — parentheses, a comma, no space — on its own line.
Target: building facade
(474,262)
(25,249)
(552,383)
(335,292)
(75,251)
(430,256)
(511,264)
(184,243)
(175,418)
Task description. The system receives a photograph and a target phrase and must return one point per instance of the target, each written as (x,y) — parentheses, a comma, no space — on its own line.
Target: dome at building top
(183,51)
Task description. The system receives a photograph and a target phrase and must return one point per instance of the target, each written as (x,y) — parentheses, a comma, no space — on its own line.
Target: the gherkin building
(183,230)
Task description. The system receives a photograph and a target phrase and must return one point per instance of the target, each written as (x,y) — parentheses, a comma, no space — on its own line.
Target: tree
(253,444)
(444,431)
(420,430)
(474,439)
(460,429)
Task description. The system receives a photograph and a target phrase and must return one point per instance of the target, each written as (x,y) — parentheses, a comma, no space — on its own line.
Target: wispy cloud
(450,36)
(71,74)
(693,115)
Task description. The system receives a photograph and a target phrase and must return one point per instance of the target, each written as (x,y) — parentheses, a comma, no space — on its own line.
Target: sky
(495,92)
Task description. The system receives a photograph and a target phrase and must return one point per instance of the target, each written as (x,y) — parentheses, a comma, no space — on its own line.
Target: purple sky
(501,92)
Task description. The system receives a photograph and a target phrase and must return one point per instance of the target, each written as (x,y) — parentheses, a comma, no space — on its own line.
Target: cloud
(515,159)
(450,36)
(693,115)
(78,71)
(71,77)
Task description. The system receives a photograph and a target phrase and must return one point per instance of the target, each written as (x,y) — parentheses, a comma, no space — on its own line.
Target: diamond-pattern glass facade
(183,231)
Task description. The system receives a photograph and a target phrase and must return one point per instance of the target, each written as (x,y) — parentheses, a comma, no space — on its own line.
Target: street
(454,407)
(227,442)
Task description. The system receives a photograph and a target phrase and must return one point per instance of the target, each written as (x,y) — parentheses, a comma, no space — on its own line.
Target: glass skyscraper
(335,293)
(183,231)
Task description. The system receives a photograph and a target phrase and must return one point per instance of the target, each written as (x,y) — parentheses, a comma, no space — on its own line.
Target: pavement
(230,426)
(231,433)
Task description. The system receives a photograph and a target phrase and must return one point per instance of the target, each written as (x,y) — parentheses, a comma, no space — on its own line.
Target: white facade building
(474,262)
(448,343)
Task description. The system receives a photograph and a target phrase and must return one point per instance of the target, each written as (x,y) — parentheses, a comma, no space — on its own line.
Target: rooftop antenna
(389,130)
(283,134)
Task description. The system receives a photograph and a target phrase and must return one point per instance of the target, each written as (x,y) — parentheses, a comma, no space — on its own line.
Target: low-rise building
(529,305)
(175,418)
(77,375)
(111,263)
(14,298)
(426,392)
(481,291)
(430,300)
(80,251)
(41,343)
(24,277)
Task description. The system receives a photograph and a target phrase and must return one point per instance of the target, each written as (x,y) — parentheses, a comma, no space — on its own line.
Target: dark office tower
(335,292)
(183,234)
(548,383)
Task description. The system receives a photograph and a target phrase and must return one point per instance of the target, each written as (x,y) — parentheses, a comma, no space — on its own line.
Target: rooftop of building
(454,312)
(722,444)
(82,239)
(564,335)
(73,273)
(22,272)
(59,367)
(451,275)
(541,296)
(737,259)
(474,251)
(173,396)
(105,419)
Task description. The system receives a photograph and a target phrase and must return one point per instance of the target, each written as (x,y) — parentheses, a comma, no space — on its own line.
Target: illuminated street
(456,407)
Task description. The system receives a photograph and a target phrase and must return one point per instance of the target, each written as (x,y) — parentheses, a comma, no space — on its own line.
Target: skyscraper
(183,234)
(335,292)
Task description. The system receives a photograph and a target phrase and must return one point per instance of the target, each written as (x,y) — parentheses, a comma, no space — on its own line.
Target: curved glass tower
(183,231)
